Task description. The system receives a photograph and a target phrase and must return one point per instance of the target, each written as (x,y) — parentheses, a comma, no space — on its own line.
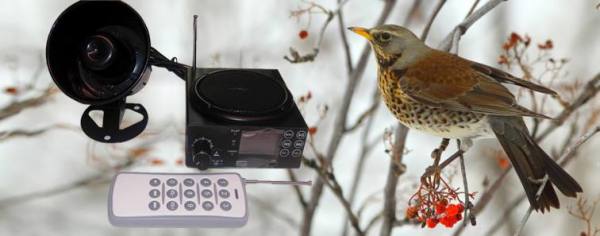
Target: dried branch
(329,179)
(585,213)
(467,212)
(454,36)
(396,169)
(590,90)
(18,106)
(295,56)
(472,8)
(342,27)
(268,207)
(88,181)
(296,188)
(365,115)
(5,135)
(436,10)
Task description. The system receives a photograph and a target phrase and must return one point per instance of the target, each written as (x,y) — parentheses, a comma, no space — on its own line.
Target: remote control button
(207,193)
(154,182)
(301,134)
(222,182)
(172,193)
(296,153)
(189,193)
(288,134)
(286,143)
(189,205)
(154,205)
(205,182)
(225,205)
(172,205)
(188,182)
(284,153)
(154,193)
(224,193)
(208,206)
(171,182)
(298,144)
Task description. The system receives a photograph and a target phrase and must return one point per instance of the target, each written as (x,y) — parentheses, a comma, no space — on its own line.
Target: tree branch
(454,36)
(396,169)
(590,90)
(437,9)
(329,179)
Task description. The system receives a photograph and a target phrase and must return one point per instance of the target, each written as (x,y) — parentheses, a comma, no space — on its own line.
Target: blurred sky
(257,34)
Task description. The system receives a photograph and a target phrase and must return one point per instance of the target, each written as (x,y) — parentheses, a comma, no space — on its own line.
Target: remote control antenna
(195,45)
(253,181)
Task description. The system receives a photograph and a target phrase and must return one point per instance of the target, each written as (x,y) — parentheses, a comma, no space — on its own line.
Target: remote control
(177,200)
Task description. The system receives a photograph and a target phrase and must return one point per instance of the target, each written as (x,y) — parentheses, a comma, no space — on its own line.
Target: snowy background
(257,34)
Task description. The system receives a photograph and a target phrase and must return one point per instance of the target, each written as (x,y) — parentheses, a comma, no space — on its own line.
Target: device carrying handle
(110,131)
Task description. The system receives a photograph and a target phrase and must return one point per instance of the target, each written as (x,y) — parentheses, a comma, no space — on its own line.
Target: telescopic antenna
(195,40)
(254,181)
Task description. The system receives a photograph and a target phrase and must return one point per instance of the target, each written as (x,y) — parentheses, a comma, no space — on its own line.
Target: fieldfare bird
(451,97)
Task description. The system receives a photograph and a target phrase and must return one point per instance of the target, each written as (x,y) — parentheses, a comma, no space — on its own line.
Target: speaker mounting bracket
(110,131)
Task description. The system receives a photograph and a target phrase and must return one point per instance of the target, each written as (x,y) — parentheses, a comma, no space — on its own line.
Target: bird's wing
(445,80)
(504,77)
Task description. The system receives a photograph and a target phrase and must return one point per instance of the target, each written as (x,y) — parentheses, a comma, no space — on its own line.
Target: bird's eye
(385,36)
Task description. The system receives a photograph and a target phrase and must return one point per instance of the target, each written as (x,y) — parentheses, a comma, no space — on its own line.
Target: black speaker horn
(98,53)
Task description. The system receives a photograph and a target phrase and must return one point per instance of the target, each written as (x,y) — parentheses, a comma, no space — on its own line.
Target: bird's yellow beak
(362,32)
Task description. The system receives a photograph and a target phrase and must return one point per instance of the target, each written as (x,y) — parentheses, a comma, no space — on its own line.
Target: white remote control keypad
(177,200)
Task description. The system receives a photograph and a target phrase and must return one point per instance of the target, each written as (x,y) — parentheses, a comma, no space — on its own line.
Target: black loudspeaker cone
(241,96)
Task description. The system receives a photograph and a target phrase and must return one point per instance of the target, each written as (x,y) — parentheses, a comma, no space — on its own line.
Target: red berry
(440,208)
(11,90)
(411,212)
(447,221)
(452,210)
(303,34)
(431,222)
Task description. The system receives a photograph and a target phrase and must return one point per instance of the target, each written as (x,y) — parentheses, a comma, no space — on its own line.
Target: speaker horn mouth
(98,52)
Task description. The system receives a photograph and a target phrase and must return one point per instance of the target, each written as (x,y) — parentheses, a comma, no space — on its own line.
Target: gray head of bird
(393,44)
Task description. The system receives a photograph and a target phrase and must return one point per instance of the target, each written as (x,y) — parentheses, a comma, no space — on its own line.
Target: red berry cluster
(436,202)
(443,213)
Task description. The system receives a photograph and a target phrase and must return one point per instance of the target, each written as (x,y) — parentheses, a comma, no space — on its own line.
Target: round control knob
(202,148)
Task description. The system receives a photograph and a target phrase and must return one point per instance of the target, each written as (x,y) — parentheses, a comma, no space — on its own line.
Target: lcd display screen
(260,142)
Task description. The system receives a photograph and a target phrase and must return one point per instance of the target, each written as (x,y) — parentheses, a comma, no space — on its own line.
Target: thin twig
(538,194)
(342,27)
(472,8)
(590,90)
(272,209)
(468,215)
(18,106)
(94,179)
(366,114)
(329,179)
(453,37)
(5,135)
(297,190)
(436,10)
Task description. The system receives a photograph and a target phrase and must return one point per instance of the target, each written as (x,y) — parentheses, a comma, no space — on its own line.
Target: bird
(451,97)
